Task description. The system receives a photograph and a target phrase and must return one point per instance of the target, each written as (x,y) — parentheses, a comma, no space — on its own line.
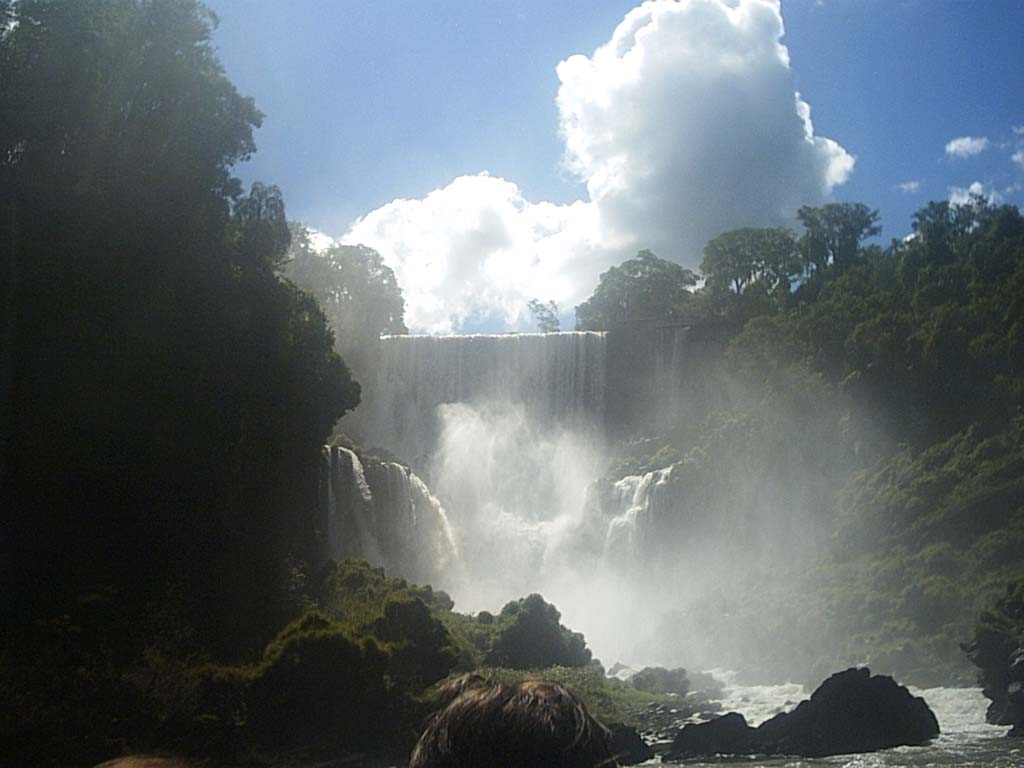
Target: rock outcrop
(852,711)
(628,746)
(998,651)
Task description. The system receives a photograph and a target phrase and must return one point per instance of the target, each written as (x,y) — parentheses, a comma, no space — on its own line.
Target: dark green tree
(530,636)
(167,391)
(643,288)
(356,289)
(320,684)
(742,258)
(833,234)
(422,651)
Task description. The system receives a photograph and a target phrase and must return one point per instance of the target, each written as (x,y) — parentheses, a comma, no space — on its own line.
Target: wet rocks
(998,652)
(628,746)
(726,735)
(852,711)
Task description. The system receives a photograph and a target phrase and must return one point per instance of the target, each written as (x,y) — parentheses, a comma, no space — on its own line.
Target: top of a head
(484,723)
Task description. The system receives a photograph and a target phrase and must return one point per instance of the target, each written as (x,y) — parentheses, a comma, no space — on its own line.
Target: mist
(266,491)
(626,482)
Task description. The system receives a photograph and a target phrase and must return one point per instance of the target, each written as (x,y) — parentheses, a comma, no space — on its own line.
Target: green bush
(661,680)
(531,637)
(422,650)
(319,684)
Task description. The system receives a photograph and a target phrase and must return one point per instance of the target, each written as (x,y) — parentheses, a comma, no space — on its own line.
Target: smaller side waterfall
(382,511)
(638,496)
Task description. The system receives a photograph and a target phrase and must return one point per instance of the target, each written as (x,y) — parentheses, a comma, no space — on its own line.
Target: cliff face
(656,374)
(998,651)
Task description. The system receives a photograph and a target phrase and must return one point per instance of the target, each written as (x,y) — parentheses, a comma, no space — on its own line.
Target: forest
(176,353)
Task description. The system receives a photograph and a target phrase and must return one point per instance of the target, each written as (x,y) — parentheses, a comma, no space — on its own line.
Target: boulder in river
(852,711)
(725,735)
(628,746)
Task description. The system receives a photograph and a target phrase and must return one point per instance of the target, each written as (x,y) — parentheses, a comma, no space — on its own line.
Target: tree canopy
(531,636)
(169,392)
(738,260)
(356,289)
(544,315)
(642,288)
(834,232)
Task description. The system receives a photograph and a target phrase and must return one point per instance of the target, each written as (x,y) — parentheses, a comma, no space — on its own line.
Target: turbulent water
(509,432)
(966,740)
(384,512)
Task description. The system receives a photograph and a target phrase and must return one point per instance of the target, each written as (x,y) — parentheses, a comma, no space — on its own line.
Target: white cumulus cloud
(963,195)
(684,124)
(476,249)
(909,186)
(1018,158)
(966,146)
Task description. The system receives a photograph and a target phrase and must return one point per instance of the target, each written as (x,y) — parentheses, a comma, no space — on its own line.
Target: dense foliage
(356,290)
(857,438)
(169,390)
(166,392)
(529,636)
(168,385)
(644,288)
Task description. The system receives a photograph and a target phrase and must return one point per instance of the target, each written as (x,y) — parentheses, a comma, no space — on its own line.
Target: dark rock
(725,735)
(1002,675)
(1017,664)
(707,684)
(850,712)
(627,745)
(997,649)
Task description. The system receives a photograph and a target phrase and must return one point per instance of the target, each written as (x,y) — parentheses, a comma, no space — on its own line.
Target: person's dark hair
(484,723)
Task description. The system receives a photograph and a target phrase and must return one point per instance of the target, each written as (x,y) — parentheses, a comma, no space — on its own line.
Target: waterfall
(509,432)
(640,498)
(350,514)
(558,377)
(381,511)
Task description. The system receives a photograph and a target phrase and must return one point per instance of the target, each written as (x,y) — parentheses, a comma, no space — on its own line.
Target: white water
(965,740)
(636,495)
(384,512)
(508,432)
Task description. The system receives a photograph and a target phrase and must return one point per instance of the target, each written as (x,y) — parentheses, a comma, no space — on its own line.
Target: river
(966,739)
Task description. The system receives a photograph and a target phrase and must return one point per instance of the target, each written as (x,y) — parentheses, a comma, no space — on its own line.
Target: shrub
(319,684)
(661,680)
(422,651)
(531,637)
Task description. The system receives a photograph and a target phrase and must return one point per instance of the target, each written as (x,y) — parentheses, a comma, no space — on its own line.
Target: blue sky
(686,125)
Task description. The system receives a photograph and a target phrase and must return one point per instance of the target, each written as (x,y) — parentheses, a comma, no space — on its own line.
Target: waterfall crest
(558,377)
